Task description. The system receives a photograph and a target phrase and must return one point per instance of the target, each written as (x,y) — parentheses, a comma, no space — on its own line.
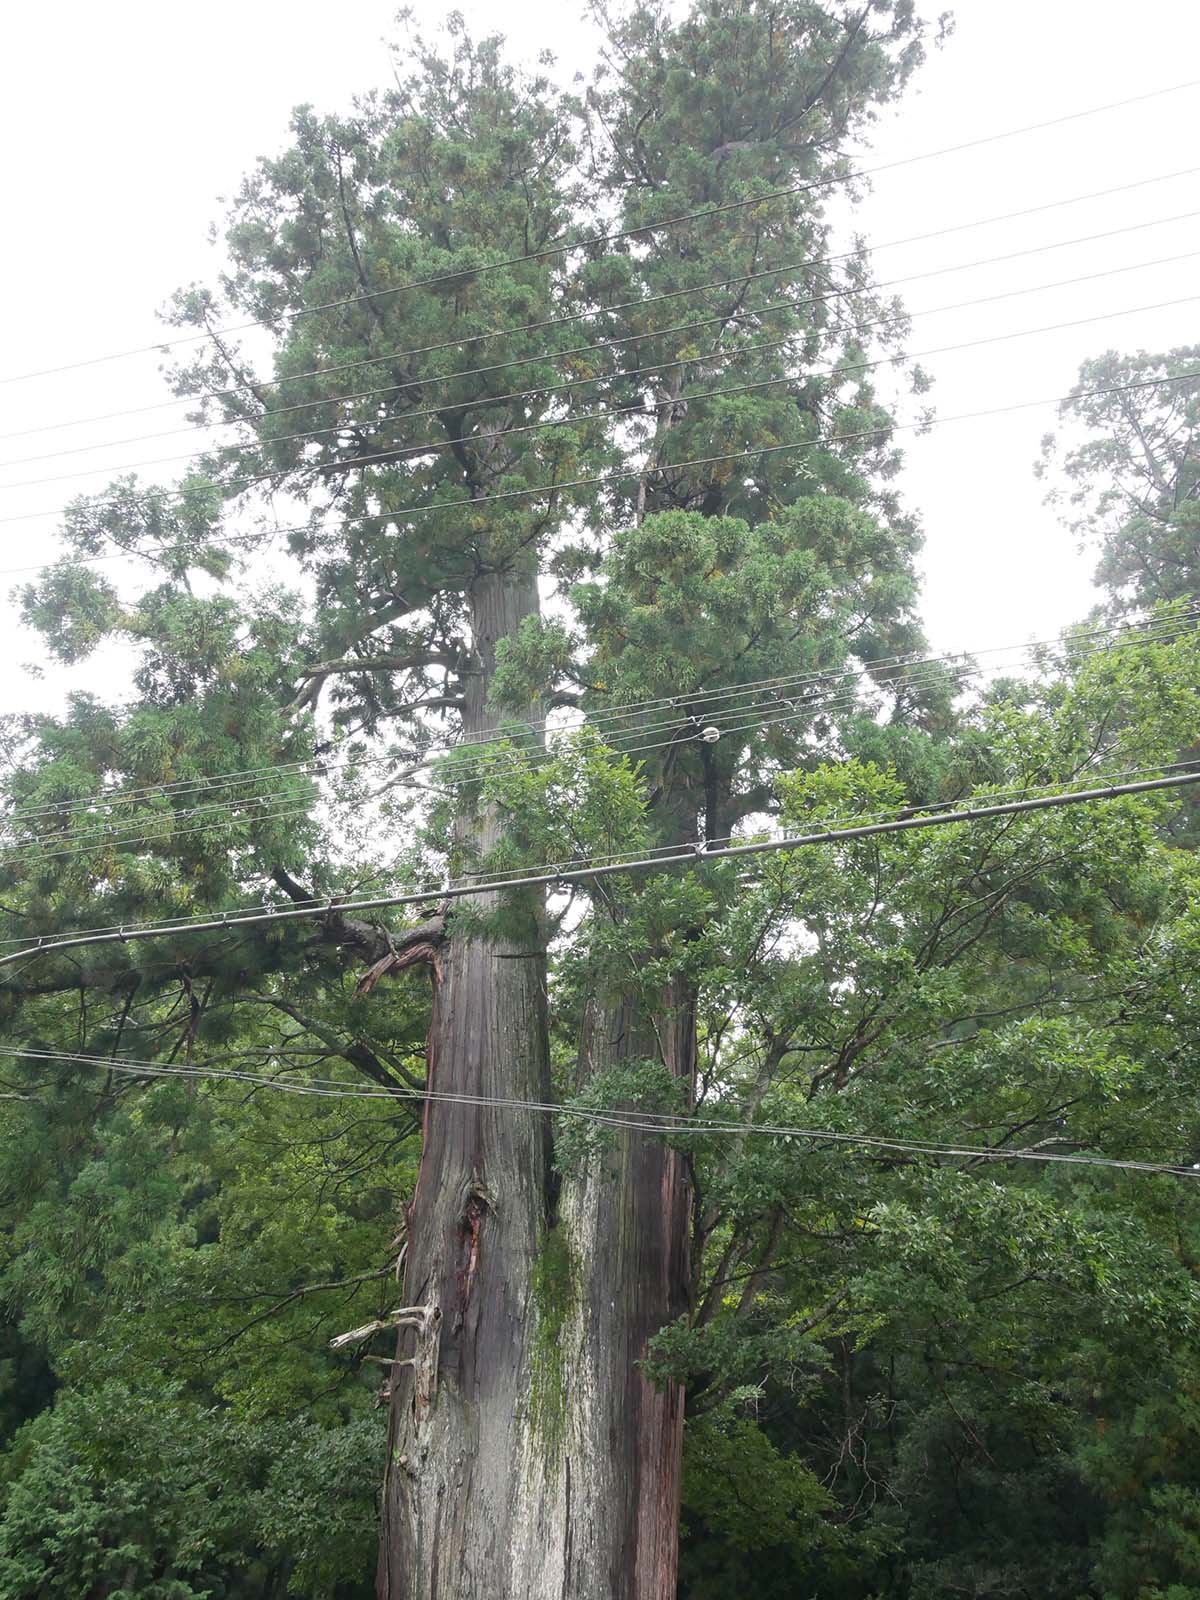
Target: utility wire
(458,274)
(421,447)
(814,703)
(500,877)
(623,475)
(637,304)
(395,387)
(785,701)
(738,353)
(843,680)
(717,354)
(304,405)
(1011,791)
(164,828)
(693,856)
(652,1123)
(843,369)
(257,811)
(402,450)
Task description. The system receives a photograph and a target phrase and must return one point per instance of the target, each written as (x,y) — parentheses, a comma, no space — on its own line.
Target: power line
(366,394)
(703,696)
(840,368)
(170,834)
(695,856)
(685,327)
(558,868)
(1017,790)
(845,687)
(884,430)
(255,811)
(404,450)
(424,447)
(816,702)
(631,1120)
(611,237)
(686,706)
(305,405)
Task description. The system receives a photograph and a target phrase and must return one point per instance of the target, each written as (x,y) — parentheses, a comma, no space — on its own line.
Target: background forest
(663,452)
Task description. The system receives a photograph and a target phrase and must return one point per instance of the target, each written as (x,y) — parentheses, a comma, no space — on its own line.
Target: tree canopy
(522,484)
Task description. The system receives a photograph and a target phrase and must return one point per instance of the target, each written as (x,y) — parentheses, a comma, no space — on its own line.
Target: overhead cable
(420,448)
(404,449)
(1095,640)
(655,1124)
(501,877)
(458,274)
(304,405)
(784,699)
(733,353)
(694,856)
(623,475)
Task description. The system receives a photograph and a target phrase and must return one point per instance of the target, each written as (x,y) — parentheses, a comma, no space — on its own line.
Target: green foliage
(911,1372)
(1133,478)
(555,1289)
(132,1493)
(583,803)
(644,1088)
(756,1518)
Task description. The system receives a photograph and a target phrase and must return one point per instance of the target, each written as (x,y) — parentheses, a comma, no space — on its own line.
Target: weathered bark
(626,1218)
(464,1478)
(529,1458)
(626,1221)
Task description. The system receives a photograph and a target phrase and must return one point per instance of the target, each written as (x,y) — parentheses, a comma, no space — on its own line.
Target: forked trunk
(528,1456)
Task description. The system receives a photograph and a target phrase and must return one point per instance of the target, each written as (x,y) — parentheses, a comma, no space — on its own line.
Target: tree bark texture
(528,1456)
(626,1216)
(454,1503)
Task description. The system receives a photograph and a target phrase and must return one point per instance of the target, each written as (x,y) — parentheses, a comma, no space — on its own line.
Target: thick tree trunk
(625,1216)
(457,1486)
(528,1456)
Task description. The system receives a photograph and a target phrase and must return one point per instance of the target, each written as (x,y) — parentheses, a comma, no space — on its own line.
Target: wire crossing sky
(890,244)
(112,83)
(403,448)
(479,268)
(775,700)
(953,1060)
(627,474)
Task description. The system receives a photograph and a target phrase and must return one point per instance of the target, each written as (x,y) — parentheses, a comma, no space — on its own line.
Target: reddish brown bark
(529,1457)
(475,1228)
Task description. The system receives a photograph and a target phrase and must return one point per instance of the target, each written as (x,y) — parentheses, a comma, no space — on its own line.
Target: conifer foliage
(558,410)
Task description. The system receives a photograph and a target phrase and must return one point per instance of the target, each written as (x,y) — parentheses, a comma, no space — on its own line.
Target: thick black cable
(501,877)
(694,856)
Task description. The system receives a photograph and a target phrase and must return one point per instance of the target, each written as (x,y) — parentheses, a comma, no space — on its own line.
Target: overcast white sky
(123,123)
